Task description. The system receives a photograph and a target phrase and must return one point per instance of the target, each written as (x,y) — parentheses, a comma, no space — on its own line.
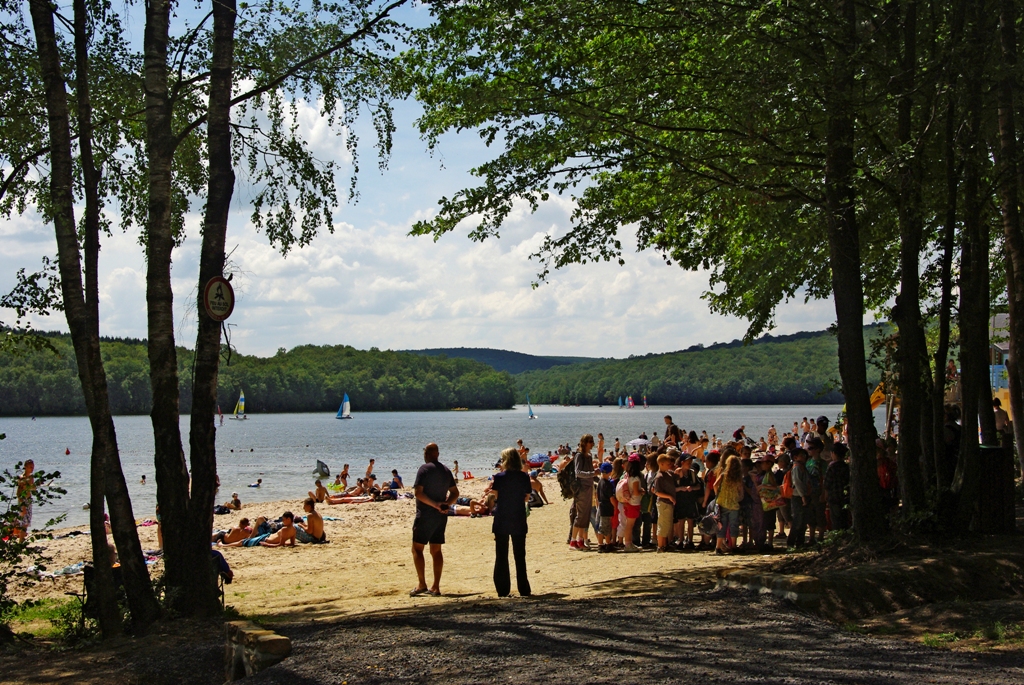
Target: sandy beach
(368,564)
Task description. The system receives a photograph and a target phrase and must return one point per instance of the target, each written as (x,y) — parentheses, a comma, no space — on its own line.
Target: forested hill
(306,378)
(504,360)
(801,368)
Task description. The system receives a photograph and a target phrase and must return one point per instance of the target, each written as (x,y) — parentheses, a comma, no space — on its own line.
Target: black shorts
(429,530)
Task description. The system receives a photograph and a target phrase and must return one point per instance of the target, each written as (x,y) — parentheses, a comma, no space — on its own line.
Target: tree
(725,135)
(150,131)
(81,307)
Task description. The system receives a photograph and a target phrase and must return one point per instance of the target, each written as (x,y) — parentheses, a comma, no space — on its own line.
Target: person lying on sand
(356,491)
(483,507)
(282,538)
(320,493)
(459,510)
(312,531)
(240,532)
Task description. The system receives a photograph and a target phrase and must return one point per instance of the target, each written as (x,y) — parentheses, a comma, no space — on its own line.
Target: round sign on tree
(218,298)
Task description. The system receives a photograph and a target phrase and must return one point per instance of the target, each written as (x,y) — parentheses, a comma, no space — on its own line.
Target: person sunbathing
(396,481)
(320,494)
(240,532)
(538,487)
(235,503)
(312,531)
(482,507)
(460,510)
(357,491)
(357,495)
(285,537)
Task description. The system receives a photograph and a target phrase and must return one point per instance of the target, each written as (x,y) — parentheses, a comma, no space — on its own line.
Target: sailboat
(239,414)
(345,410)
(528,406)
(220,414)
(645,401)
(620,402)
(629,402)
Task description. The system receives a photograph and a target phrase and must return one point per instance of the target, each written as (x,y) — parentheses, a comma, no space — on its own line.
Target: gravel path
(727,636)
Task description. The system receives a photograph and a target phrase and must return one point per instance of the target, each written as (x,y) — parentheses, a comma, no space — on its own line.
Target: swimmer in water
(259,482)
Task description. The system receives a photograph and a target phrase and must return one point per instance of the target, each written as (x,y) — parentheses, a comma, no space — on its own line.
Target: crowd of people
(688,492)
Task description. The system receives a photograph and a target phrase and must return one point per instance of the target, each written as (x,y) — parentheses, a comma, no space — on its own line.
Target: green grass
(939,640)
(41,610)
(37,617)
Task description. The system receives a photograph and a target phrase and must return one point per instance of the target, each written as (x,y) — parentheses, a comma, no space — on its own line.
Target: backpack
(786,489)
(567,481)
(622,492)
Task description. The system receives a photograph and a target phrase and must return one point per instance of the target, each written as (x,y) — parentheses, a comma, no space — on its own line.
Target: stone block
(275,645)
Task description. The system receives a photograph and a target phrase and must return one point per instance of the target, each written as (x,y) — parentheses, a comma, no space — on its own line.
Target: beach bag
(622,489)
(771,497)
(711,524)
(647,503)
(567,481)
(787,485)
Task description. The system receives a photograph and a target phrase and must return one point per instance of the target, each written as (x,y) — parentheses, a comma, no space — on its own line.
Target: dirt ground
(643,617)
(661,636)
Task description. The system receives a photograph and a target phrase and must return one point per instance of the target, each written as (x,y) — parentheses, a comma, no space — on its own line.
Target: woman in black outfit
(513,488)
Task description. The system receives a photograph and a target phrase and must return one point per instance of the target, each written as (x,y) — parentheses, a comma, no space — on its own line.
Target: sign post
(218,298)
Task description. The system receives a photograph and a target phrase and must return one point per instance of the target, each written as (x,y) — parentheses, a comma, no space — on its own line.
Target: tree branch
(299,66)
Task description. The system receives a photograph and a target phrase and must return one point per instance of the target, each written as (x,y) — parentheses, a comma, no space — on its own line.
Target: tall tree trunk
(83,323)
(1008,184)
(954,67)
(844,259)
(913,350)
(172,477)
(139,591)
(202,433)
(1016,408)
(943,474)
(974,285)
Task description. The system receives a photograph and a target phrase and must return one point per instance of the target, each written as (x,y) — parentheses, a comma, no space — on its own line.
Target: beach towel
(255,541)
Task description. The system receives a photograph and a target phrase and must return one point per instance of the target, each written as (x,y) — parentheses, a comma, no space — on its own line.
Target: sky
(369,284)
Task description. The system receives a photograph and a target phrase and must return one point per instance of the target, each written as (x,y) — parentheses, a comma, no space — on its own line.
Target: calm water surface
(282,449)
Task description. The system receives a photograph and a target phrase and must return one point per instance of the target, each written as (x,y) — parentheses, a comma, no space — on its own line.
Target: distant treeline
(504,360)
(307,378)
(798,369)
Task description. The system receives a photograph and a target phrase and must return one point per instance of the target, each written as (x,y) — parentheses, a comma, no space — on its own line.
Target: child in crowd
(664,488)
(606,508)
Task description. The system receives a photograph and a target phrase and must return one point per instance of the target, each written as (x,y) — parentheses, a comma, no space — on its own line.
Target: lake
(282,449)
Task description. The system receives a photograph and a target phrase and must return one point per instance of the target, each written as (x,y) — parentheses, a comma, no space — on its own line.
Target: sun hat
(605,467)
(822,419)
(673,452)
(634,457)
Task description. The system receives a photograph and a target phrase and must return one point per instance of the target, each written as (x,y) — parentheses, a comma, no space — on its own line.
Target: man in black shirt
(673,434)
(435,491)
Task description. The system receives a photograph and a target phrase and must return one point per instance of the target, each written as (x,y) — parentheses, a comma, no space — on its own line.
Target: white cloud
(370,284)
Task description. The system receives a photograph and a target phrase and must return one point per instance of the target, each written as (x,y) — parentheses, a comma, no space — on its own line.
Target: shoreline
(514,407)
